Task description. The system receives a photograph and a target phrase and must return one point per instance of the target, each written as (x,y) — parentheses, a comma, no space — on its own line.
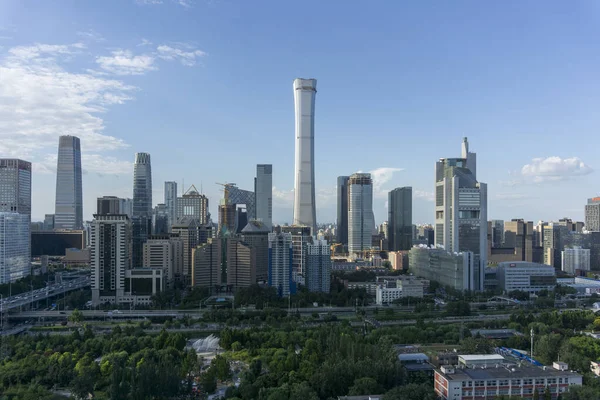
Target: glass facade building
(15,252)
(361,221)
(263,192)
(142,206)
(399,227)
(342,209)
(68,212)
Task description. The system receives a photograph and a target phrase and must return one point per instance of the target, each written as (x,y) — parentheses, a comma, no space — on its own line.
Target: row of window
(516,382)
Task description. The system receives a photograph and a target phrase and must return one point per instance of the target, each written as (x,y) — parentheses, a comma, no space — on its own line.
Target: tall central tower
(142,205)
(304,186)
(68,213)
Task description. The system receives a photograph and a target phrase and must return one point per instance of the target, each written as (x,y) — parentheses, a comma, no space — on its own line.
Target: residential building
(110,257)
(207,263)
(491,376)
(68,212)
(448,269)
(305,213)
(192,205)
(171,202)
(575,260)
(142,206)
(241,264)
(400,227)
(525,276)
(55,243)
(280,263)
(399,260)
(160,219)
(187,230)
(461,210)
(165,252)
(361,221)
(342,210)
(318,266)
(256,235)
(301,236)
(15,252)
(263,191)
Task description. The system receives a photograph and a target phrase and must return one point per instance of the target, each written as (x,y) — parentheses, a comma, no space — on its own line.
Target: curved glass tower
(68,211)
(304,186)
(142,205)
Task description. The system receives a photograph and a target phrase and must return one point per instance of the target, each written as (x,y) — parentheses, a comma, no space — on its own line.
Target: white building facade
(15,247)
(525,276)
(575,259)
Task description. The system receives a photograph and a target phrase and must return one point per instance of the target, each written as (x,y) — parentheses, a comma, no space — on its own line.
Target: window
(503,382)
(491,383)
(479,383)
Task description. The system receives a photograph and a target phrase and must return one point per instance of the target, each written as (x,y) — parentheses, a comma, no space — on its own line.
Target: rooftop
(481,357)
(413,357)
(505,371)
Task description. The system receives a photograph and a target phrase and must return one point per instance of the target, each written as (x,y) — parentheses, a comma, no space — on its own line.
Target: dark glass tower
(342,209)
(142,206)
(400,219)
(68,212)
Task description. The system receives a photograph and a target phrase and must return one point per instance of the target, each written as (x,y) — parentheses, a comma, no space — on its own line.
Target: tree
(365,386)
(76,316)
(411,392)
(208,380)
(221,367)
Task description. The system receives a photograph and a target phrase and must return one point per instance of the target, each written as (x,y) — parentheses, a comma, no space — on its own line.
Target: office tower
(232,195)
(575,261)
(280,263)
(49,222)
(165,252)
(241,264)
(461,210)
(518,234)
(110,257)
(400,235)
(142,205)
(192,205)
(160,219)
(15,186)
(304,185)
(108,205)
(15,250)
(171,202)
(187,229)
(227,218)
(68,212)
(126,207)
(301,235)
(497,232)
(342,209)
(206,264)
(256,234)
(263,191)
(554,235)
(361,222)
(241,219)
(318,266)
(592,215)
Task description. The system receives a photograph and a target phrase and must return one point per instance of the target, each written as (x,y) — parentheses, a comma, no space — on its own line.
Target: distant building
(496,229)
(256,235)
(48,222)
(361,221)
(399,260)
(318,266)
(342,209)
(192,205)
(165,252)
(554,236)
(263,191)
(400,235)
(525,276)
(141,284)
(592,215)
(187,230)
(55,243)
(160,220)
(206,264)
(142,206)
(280,263)
(69,194)
(301,236)
(448,269)
(575,260)
(390,291)
(15,254)
(241,264)
(171,202)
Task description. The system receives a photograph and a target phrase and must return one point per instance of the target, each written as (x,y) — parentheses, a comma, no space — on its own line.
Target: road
(14,302)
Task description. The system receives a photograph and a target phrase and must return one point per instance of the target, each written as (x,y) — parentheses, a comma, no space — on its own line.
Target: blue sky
(205,86)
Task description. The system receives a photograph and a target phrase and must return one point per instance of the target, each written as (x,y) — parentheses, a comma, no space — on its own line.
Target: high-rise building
(49,222)
(575,260)
(68,212)
(301,236)
(518,234)
(400,235)
(497,231)
(15,246)
(461,209)
(114,205)
(142,205)
(110,257)
(592,215)
(280,263)
(187,229)
(160,220)
(15,186)
(263,192)
(555,234)
(361,221)
(165,252)
(171,202)
(304,187)
(342,210)
(318,266)
(227,218)
(455,270)
(256,234)
(241,264)
(193,205)
(206,264)
(232,195)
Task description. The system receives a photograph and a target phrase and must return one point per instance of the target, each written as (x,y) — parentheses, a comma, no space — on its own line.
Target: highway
(14,302)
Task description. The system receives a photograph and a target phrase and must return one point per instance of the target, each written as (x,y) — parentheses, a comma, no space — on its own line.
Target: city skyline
(416,101)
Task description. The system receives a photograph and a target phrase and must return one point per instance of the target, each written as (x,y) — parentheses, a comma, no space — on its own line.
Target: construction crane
(226,187)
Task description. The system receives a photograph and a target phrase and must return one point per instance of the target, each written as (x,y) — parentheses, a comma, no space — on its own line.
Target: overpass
(37,295)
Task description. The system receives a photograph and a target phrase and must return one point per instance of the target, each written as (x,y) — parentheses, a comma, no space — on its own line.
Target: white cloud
(187,58)
(147,2)
(381,176)
(422,194)
(184,3)
(511,196)
(555,169)
(145,42)
(91,35)
(105,165)
(284,198)
(123,62)
(42,52)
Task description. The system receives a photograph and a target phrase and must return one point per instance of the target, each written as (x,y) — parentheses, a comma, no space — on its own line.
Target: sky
(205,87)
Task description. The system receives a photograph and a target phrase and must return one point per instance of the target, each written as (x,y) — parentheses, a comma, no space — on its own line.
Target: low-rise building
(456,270)
(575,261)
(525,276)
(416,362)
(491,375)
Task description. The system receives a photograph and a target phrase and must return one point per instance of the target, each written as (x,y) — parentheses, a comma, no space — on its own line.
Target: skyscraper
(342,209)
(318,266)
(192,205)
(263,191)
(68,212)
(592,215)
(361,221)
(142,205)
(461,211)
(304,186)
(400,227)
(187,229)
(171,202)
(280,263)
(256,234)
(15,218)
(160,220)
(165,252)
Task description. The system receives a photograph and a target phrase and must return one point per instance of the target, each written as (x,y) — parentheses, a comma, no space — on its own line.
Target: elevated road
(24,299)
